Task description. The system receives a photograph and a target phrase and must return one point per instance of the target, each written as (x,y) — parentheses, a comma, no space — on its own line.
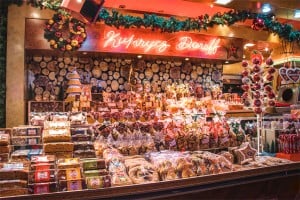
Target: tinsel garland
(171,24)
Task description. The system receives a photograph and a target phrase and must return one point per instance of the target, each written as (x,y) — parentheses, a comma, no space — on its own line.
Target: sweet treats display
(95,173)
(26,137)
(69,174)
(245,153)
(26,141)
(133,138)
(57,139)
(140,171)
(84,149)
(38,118)
(4,147)
(13,179)
(42,175)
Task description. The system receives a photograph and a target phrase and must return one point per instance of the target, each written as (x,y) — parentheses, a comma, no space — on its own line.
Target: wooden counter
(268,182)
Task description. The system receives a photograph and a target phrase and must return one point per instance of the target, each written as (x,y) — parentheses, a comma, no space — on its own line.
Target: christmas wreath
(65,33)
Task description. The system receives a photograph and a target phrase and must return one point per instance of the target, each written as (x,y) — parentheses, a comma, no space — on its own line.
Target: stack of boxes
(26,142)
(57,139)
(83,145)
(42,175)
(4,145)
(69,175)
(95,173)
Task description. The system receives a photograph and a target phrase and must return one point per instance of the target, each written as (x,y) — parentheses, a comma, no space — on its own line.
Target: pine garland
(171,24)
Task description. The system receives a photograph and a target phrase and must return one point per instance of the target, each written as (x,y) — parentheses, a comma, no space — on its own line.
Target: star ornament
(245,153)
(232,51)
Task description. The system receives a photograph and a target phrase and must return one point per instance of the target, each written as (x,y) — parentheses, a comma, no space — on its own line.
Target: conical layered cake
(74,86)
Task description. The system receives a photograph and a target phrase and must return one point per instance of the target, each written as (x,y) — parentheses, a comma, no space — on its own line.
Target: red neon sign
(114,39)
(187,43)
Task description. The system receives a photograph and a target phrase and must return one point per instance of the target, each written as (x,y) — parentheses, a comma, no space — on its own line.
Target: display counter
(251,183)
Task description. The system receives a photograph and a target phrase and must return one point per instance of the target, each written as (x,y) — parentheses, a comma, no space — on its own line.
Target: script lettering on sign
(115,40)
(187,43)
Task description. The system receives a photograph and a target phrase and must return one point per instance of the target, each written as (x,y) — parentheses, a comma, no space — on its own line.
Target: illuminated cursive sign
(115,40)
(145,41)
(187,43)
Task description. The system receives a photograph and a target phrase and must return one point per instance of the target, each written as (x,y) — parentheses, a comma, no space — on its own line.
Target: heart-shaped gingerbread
(293,74)
(282,73)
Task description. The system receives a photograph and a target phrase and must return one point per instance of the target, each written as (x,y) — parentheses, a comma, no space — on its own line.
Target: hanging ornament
(257,58)
(244,64)
(256,68)
(271,102)
(256,77)
(268,88)
(258,24)
(257,102)
(257,110)
(270,77)
(271,70)
(245,73)
(269,61)
(256,86)
(271,95)
(256,95)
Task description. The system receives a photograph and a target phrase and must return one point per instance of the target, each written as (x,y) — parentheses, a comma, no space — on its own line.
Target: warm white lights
(266,8)
(297,14)
(186,59)
(248,45)
(139,56)
(223,2)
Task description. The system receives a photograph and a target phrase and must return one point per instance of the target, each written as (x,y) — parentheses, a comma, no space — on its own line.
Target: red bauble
(270,77)
(256,95)
(255,61)
(256,77)
(245,87)
(256,86)
(268,88)
(271,70)
(245,73)
(271,103)
(257,102)
(258,24)
(245,63)
(257,110)
(271,95)
(269,61)
(256,68)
